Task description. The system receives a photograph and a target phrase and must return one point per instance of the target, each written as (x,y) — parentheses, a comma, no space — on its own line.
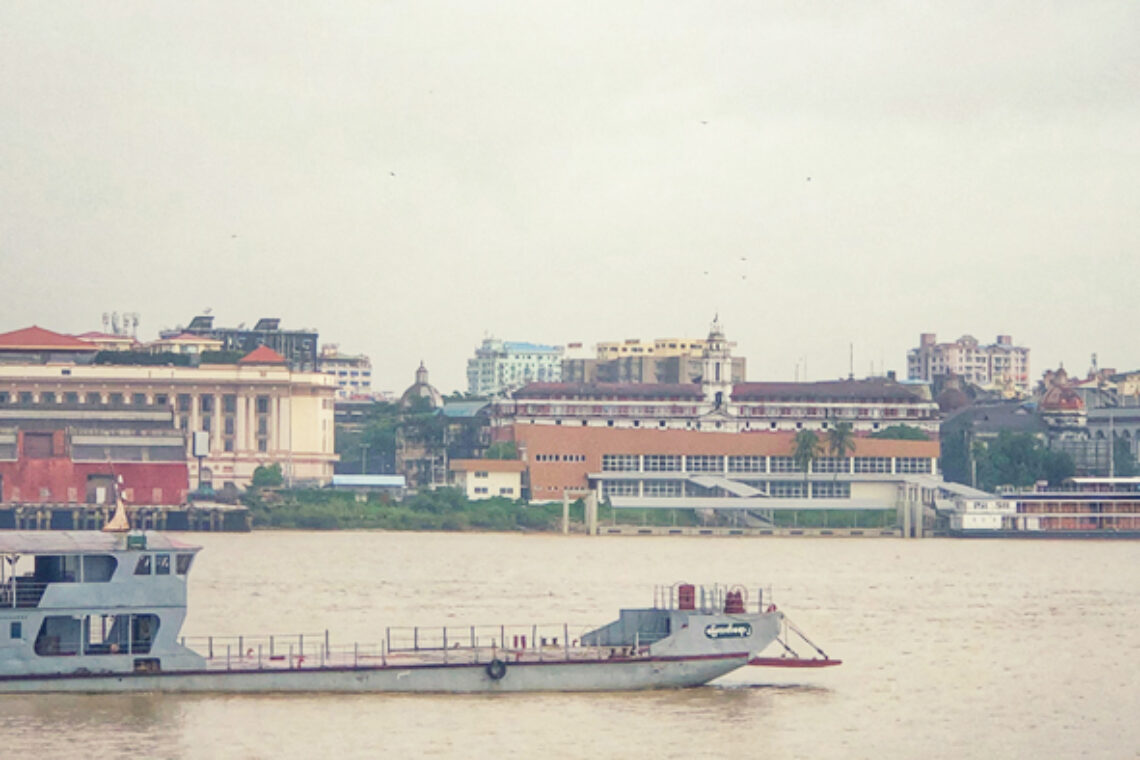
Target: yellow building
(256,412)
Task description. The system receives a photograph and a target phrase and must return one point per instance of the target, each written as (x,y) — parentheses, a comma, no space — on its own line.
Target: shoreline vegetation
(448,509)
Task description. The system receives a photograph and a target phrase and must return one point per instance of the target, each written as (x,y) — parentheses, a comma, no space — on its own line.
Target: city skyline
(408,179)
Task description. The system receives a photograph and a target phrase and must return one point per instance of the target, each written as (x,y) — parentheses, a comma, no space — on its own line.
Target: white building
(485,478)
(1000,364)
(500,365)
(353,374)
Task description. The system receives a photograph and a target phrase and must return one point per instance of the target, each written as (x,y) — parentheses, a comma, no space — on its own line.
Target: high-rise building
(500,365)
(1001,364)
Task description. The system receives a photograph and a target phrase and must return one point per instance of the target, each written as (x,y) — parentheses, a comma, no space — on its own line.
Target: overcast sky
(408,177)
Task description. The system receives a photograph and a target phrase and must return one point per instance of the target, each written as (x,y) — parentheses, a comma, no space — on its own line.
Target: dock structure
(210,517)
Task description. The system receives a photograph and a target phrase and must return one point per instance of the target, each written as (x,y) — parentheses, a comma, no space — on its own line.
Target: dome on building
(421,388)
(1060,398)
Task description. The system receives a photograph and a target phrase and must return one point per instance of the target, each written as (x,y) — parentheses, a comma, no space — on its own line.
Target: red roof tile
(262,355)
(38,339)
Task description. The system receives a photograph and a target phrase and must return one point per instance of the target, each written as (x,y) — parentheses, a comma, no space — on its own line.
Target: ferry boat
(92,611)
(1083,507)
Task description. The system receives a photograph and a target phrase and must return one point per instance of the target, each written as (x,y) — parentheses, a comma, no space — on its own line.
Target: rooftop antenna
(851,363)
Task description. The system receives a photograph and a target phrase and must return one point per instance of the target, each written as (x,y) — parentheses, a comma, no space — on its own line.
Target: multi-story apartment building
(1001,364)
(500,365)
(299,347)
(255,412)
(353,374)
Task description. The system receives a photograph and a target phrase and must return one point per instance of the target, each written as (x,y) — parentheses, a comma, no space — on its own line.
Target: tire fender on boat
(496,669)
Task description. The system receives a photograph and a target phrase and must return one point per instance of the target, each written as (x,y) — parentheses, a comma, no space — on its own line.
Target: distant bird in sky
(809,179)
(392,173)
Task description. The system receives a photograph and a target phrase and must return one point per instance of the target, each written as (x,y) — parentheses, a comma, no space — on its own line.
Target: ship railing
(710,599)
(409,646)
(22,592)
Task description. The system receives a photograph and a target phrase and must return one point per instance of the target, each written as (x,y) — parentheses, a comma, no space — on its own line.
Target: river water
(952,648)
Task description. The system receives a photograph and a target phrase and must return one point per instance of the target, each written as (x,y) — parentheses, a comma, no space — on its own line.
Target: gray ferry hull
(592,675)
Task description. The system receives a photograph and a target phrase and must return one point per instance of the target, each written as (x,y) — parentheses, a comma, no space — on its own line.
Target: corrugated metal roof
(80,542)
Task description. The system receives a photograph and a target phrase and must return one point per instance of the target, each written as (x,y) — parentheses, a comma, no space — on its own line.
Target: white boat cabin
(90,602)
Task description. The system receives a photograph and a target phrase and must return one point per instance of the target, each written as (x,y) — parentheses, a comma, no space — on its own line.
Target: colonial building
(1001,364)
(722,444)
(255,412)
(500,365)
(54,448)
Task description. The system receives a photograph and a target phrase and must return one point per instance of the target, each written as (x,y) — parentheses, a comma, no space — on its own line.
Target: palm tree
(806,447)
(841,440)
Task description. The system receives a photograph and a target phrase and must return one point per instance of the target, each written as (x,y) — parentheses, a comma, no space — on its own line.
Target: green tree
(841,440)
(502,450)
(1123,462)
(1019,460)
(806,448)
(267,476)
(902,433)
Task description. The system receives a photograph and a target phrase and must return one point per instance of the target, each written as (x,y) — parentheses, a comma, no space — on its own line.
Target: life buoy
(496,669)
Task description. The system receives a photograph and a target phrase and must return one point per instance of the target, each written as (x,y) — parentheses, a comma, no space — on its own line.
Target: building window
(263,444)
(662,488)
(71,397)
(912,464)
(229,403)
(620,462)
(786,488)
(831,490)
(161,399)
(782,464)
(183,402)
(25,397)
(207,423)
(481,489)
(206,404)
(506,491)
(263,404)
(228,444)
(746,464)
(115,398)
(619,488)
(704,463)
(47,397)
(228,425)
(830,464)
(662,463)
(872,464)
(480,474)
(138,399)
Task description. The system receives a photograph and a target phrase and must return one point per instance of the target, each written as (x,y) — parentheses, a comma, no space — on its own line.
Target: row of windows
(73,397)
(481,490)
(680,489)
(755,463)
(560,457)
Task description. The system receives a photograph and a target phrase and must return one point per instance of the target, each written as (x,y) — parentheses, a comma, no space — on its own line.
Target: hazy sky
(408,177)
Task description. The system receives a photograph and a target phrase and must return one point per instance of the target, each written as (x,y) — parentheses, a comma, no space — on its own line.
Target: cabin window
(182,563)
(143,565)
(119,634)
(52,568)
(162,564)
(98,568)
(58,636)
(16,630)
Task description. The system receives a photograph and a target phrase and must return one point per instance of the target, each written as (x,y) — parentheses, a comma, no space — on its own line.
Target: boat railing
(415,645)
(22,592)
(711,599)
